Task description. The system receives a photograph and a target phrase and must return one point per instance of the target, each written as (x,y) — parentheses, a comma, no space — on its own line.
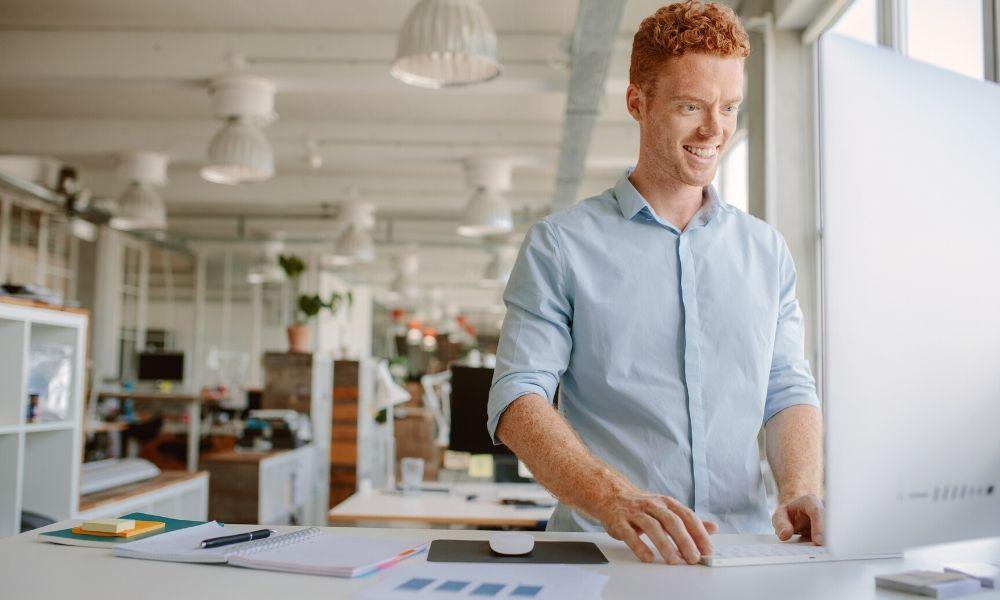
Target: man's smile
(702,151)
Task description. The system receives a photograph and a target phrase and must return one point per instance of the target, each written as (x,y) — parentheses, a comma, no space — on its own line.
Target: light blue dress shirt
(672,348)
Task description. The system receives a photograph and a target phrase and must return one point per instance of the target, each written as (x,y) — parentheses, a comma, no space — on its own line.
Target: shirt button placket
(692,372)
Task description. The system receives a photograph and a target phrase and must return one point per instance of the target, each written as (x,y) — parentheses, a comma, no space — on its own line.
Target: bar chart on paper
(459,580)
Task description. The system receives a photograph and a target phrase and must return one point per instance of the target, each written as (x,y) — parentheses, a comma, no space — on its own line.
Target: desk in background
(193,403)
(33,570)
(449,507)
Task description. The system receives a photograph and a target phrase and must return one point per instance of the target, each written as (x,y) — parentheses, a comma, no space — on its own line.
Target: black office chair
(30,520)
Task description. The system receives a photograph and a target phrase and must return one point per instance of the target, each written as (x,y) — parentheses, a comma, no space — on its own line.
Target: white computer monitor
(910,215)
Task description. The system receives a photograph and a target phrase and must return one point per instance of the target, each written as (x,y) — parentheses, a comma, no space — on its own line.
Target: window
(859,22)
(947,33)
(732,179)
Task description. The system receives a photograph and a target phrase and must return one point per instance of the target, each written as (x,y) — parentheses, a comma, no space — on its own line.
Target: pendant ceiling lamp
(497,271)
(356,244)
(404,285)
(266,269)
(487,212)
(446,43)
(240,152)
(140,207)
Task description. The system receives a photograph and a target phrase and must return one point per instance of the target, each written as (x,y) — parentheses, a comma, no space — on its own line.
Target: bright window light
(947,33)
(859,22)
(735,182)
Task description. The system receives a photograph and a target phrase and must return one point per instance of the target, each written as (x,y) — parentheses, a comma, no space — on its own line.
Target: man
(670,320)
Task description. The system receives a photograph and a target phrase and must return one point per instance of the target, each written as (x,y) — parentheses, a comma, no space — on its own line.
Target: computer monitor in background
(910,205)
(161,366)
(470,393)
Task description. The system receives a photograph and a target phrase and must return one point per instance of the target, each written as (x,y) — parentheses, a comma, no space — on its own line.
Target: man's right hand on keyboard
(676,531)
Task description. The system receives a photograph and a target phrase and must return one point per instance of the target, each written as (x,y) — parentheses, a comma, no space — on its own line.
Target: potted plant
(307,306)
(298,331)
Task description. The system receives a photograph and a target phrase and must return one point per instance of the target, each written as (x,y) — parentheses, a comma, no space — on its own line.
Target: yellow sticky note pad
(141,527)
(108,525)
(481,465)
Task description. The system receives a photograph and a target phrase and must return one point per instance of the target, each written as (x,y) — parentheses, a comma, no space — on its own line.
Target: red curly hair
(690,26)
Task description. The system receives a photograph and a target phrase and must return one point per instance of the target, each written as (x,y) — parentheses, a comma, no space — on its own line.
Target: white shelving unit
(39,462)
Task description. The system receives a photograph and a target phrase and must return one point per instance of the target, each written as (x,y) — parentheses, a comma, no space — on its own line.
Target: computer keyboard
(775,553)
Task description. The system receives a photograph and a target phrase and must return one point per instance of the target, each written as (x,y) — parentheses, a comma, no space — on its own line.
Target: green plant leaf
(310,305)
(292,265)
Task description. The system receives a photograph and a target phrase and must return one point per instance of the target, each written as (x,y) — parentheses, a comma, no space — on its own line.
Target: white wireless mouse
(511,543)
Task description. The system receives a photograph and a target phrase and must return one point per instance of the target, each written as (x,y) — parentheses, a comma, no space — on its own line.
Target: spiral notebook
(310,551)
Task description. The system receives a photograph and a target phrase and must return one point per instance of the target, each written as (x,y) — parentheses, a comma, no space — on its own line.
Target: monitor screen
(470,392)
(165,366)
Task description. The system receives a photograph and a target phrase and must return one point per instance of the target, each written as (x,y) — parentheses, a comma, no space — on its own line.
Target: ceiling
(84,79)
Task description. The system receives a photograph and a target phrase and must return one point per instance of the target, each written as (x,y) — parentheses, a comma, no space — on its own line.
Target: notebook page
(326,554)
(183,545)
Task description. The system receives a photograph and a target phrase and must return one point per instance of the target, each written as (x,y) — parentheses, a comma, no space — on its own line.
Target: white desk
(450,507)
(34,570)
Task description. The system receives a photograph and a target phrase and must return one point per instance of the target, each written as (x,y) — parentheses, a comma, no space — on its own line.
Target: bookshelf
(39,461)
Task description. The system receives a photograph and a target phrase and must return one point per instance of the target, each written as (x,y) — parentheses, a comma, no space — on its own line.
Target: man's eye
(690,108)
(730,109)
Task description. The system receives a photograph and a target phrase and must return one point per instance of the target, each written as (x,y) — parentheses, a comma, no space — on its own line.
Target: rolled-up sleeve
(535,339)
(791,381)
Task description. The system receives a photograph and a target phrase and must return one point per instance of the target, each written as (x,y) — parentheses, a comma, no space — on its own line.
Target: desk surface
(123,492)
(448,508)
(31,569)
(155,396)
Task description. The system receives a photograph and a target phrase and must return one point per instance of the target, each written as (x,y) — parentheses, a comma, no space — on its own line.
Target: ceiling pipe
(597,24)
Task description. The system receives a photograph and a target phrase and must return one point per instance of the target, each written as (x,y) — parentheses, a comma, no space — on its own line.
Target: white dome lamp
(140,207)
(356,244)
(487,212)
(404,285)
(446,43)
(497,271)
(240,152)
(266,268)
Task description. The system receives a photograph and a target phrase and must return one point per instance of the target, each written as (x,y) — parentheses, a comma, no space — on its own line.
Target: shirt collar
(631,202)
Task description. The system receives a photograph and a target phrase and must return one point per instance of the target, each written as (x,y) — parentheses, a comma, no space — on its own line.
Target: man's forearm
(556,457)
(795,451)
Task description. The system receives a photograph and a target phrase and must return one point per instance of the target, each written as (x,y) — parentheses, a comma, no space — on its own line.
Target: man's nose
(711,127)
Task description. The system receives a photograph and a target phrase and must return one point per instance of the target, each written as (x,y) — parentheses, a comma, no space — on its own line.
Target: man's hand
(675,530)
(804,515)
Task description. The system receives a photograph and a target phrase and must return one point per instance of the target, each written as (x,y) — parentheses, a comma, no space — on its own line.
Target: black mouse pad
(478,551)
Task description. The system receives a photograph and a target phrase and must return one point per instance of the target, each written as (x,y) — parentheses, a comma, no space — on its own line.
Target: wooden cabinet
(304,383)
(269,488)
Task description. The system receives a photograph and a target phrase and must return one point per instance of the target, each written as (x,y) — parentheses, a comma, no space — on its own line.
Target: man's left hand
(803,515)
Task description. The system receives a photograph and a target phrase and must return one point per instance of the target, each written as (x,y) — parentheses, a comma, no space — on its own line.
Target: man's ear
(635,102)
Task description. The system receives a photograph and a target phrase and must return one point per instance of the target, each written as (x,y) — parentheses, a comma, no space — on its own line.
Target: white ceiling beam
(340,143)
(298,62)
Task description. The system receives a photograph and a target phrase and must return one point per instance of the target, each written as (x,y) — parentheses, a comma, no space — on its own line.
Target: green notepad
(67,537)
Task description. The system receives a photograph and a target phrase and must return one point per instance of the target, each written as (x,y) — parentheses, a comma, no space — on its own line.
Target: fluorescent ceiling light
(239,153)
(446,43)
(487,213)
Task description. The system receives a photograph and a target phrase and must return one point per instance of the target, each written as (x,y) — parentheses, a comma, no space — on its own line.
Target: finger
(782,524)
(695,526)
(628,535)
(816,525)
(654,531)
(674,526)
(711,526)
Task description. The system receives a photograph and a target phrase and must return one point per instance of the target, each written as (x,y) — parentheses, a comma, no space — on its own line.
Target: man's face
(685,125)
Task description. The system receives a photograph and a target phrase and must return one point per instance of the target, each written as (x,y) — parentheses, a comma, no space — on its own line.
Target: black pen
(235,539)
